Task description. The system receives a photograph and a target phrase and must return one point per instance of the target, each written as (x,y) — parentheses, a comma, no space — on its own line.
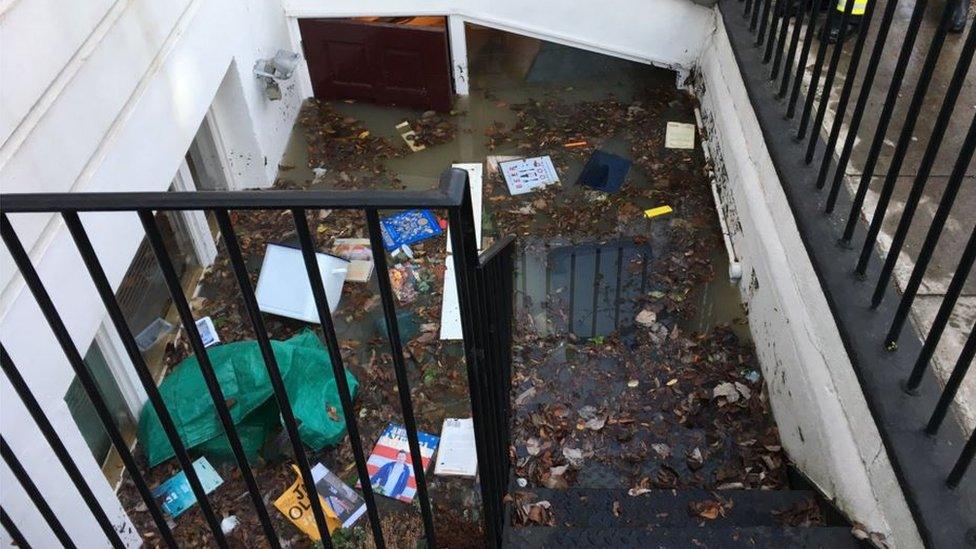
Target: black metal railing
(485,290)
(892,364)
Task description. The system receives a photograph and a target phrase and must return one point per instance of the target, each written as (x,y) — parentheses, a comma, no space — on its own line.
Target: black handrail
(486,329)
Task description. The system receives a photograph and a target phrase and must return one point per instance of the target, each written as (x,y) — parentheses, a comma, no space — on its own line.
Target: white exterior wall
(103,95)
(667,33)
(824,422)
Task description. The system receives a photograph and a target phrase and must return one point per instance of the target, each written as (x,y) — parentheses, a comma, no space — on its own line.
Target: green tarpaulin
(243,377)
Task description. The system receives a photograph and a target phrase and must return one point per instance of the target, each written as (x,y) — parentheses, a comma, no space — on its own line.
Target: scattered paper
(409,136)
(390,467)
(457,455)
(403,279)
(208,333)
(175,495)
(528,174)
(341,504)
(660,210)
(679,136)
(359,255)
(408,227)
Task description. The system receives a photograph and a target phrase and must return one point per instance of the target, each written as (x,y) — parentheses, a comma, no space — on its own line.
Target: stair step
(605,508)
(752,537)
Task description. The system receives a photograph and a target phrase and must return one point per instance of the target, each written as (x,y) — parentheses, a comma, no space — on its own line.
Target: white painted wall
(824,422)
(667,33)
(102,95)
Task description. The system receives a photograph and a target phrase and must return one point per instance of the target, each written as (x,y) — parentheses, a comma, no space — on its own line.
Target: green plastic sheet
(306,370)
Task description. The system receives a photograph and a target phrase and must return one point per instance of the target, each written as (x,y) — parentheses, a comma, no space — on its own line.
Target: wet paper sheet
(679,136)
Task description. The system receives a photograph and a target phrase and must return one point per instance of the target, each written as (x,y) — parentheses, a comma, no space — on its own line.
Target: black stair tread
(833,537)
(594,507)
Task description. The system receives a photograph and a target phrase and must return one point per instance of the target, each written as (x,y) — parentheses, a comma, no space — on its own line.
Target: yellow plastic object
(660,210)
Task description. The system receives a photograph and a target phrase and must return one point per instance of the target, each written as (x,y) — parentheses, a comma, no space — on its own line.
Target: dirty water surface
(632,364)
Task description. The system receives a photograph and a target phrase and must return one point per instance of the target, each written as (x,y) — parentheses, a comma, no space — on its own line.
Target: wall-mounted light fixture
(279,68)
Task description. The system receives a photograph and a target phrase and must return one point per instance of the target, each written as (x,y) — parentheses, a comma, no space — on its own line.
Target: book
(528,174)
(408,227)
(390,469)
(360,256)
(341,504)
(457,455)
(175,495)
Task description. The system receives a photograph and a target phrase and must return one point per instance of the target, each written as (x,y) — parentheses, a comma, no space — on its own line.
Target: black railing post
(338,371)
(862,100)
(104,289)
(784,83)
(400,369)
(904,140)
(965,459)
(34,494)
(829,79)
(963,363)
(274,373)
(933,234)
(801,65)
(15,534)
(77,363)
(464,253)
(155,239)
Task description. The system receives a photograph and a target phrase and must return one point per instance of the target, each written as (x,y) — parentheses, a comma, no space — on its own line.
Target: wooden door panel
(378,62)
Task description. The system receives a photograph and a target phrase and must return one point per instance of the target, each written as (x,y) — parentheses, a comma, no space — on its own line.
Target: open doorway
(401,61)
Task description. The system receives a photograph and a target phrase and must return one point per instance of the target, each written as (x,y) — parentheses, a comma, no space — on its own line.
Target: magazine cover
(390,471)
(341,504)
(175,495)
(408,227)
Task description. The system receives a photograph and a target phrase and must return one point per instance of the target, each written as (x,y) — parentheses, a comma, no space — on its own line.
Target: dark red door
(380,63)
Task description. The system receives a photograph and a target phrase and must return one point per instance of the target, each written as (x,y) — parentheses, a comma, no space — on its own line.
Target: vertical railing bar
(572,291)
(488,296)
(801,65)
(616,296)
(829,82)
(274,373)
(781,39)
(925,166)
(845,94)
(965,459)
(862,100)
(887,110)
(400,368)
(755,13)
(54,441)
(15,534)
(463,245)
(763,22)
(104,289)
(44,302)
(338,371)
(206,369)
(747,9)
(952,384)
(34,494)
(815,76)
(933,234)
(784,83)
(596,290)
(779,20)
(904,140)
(952,294)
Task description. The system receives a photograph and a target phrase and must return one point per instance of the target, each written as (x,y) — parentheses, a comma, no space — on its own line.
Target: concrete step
(608,508)
(680,537)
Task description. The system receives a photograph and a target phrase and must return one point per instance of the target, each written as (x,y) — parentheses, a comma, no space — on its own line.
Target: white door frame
(113,350)
(198,229)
